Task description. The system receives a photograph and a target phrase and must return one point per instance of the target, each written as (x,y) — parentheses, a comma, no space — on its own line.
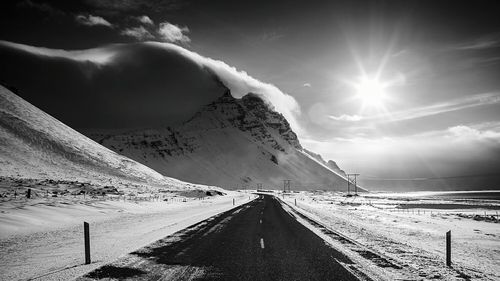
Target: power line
(430,178)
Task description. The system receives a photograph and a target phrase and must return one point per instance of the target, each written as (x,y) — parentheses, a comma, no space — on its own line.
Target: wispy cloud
(484,42)
(468,133)
(91,20)
(425,111)
(271,36)
(345,117)
(145,20)
(96,55)
(307,85)
(444,107)
(173,33)
(140,33)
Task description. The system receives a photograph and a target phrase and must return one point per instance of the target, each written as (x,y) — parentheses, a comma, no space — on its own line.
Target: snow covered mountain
(232,143)
(34,145)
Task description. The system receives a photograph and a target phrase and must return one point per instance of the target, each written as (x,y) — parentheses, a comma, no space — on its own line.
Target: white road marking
(260,221)
(262,243)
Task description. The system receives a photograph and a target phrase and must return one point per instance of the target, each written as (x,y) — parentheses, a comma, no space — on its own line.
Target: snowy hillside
(233,143)
(34,145)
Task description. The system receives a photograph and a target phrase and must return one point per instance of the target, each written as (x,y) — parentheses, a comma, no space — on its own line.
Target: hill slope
(233,143)
(34,145)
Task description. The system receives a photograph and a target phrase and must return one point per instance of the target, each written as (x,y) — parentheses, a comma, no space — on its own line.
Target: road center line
(260,221)
(262,243)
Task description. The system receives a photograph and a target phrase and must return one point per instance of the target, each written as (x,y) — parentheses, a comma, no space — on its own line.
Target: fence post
(86,234)
(448,248)
(295,201)
(28,193)
(233,201)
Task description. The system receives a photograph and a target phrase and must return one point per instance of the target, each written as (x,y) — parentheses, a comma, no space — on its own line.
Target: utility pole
(355,175)
(348,184)
(286,184)
(355,184)
(259,186)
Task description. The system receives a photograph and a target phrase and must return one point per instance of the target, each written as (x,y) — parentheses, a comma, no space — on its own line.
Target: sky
(402,92)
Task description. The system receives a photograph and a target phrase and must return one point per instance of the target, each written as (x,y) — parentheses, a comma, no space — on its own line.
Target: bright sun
(371,92)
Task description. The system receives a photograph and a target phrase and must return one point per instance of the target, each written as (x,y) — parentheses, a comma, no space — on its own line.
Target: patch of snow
(411,237)
(44,240)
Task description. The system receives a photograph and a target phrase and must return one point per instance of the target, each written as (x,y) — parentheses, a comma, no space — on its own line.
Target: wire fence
(91,196)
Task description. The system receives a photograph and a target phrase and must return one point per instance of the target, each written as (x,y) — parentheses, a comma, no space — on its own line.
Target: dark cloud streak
(137,5)
(42,6)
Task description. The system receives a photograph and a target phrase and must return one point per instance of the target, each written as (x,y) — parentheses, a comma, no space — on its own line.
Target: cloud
(90,20)
(173,33)
(455,152)
(345,117)
(148,68)
(453,105)
(430,110)
(466,133)
(271,36)
(140,33)
(390,122)
(481,43)
(240,83)
(308,85)
(43,7)
(145,20)
(95,55)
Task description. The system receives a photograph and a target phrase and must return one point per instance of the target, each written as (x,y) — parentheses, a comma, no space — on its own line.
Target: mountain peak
(230,141)
(250,114)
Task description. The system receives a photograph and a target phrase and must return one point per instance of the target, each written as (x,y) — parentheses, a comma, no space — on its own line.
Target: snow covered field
(42,239)
(411,231)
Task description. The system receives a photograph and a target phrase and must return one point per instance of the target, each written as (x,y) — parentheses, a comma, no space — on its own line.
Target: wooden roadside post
(448,248)
(86,234)
(28,193)
(295,201)
(233,201)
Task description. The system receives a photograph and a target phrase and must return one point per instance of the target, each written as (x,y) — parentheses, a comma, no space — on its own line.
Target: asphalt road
(256,241)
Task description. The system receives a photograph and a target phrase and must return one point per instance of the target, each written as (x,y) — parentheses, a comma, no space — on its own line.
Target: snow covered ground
(42,238)
(411,232)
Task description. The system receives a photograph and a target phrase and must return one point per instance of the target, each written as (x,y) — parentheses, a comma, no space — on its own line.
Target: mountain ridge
(233,143)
